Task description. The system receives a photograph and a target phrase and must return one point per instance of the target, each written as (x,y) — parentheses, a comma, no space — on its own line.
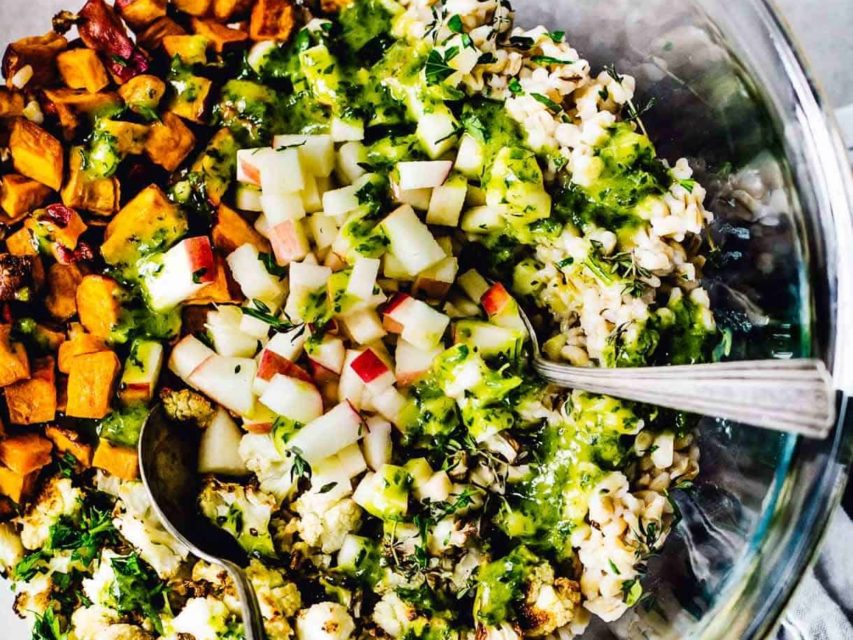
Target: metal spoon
(794,396)
(168,459)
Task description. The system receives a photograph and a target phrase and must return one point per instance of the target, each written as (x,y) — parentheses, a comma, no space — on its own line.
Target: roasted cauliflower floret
(244,512)
(32,598)
(186,405)
(278,598)
(205,619)
(325,523)
(90,623)
(11,549)
(324,621)
(549,602)
(262,458)
(58,498)
(393,615)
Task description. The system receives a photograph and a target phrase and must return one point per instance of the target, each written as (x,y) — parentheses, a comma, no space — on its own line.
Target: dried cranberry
(83,253)
(59,214)
(101,29)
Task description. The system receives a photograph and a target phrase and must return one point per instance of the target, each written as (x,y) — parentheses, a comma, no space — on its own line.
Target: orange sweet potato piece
(333,6)
(37,154)
(129,136)
(219,36)
(220,291)
(227,10)
(193,7)
(80,344)
(99,196)
(169,142)
(191,49)
(271,20)
(25,453)
(121,462)
(193,104)
(140,13)
(98,304)
(82,102)
(62,283)
(16,486)
(14,364)
(22,243)
(33,401)
(91,381)
(11,103)
(82,69)
(69,441)
(232,231)
(152,37)
(142,92)
(37,52)
(19,195)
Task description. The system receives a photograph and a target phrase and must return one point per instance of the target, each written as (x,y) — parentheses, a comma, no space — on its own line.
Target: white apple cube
(317,151)
(411,364)
(376,444)
(346,130)
(423,175)
(395,407)
(248,165)
(270,364)
(289,242)
(411,240)
(436,131)
(227,381)
(288,345)
(436,281)
(280,207)
(252,276)
(328,434)
(308,276)
(447,202)
(502,308)
(363,326)
(470,158)
(248,198)
(187,355)
(482,219)
(254,327)
(280,171)
(362,280)
(351,387)
(172,277)
(219,447)
(340,202)
(415,198)
(418,323)
(324,230)
(312,197)
(141,370)
(393,268)
(473,284)
(348,165)
(224,327)
(329,353)
(293,398)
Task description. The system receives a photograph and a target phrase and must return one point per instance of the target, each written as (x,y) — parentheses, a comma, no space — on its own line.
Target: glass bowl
(731,94)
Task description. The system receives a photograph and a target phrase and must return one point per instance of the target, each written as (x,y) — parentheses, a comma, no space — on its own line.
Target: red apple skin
(261,428)
(321,375)
(202,262)
(271,363)
(388,322)
(285,243)
(368,366)
(136,392)
(495,300)
(410,377)
(432,288)
(251,172)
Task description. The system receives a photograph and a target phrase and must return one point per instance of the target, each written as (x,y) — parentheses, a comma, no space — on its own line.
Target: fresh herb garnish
(259,310)
(300,468)
(514,87)
(137,589)
(455,24)
(549,60)
(437,68)
(553,106)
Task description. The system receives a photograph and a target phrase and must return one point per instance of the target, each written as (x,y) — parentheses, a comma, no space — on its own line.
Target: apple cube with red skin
(261,420)
(141,371)
(411,364)
(293,398)
(178,274)
(373,371)
(473,284)
(351,387)
(501,307)
(417,322)
(328,434)
(289,242)
(248,169)
(252,276)
(227,381)
(187,355)
(436,281)
(329,353)
(271,364)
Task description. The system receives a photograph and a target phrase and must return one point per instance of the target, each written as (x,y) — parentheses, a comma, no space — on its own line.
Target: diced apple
(252,276)
(349,162)
(423,174)
(293,398)
(289,242)
(458,305)
(411,364)
(288,345)
(248,167)
(271,364)
(312,197)
(219,447)
(351,387)
(187,355)
(470,157)
(248,198)
(281,207)
(436,281)
(416,198)
(308,276)
(362,280)
(447,202)
(317,151)
(436,489)
(260,420)
(340,202)
(372,371)
(346,130)
(489,339)
(351,460)
(280,171)
(262,225)
(501,307)
(228,381)
(324,230)
(363,326)
(411,241)
(329,353)
(476,196)
(376,444)
(436,131)
(328,434)
(419,324)
(141,371)
(482,219)
(395,407)
(223,325)
(172,277)
(254,327)
(473,284)
(393,268)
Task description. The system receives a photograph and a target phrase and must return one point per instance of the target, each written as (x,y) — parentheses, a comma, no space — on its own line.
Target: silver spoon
(794,396)
(168,462)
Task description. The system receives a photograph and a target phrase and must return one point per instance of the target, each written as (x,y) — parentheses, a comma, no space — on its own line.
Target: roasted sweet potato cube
(80,344)
(232,231)
(220,291)
(152,37)
(22,243)
(91,382)
(62,283)
(25,453)
(193,7)
(271,20)
(191,49)
(140,13)
(121,462)
(83,102)
(14,364)
(129,136)
(37,154)
(33,401)
(19,195)
(191,97)
(169,142)
(37,52)
(82,69)
(150,213)
(98,304)
(97,195)
(217,165)
(142,94)
(69,441)
(16,486)
(11,103)
(219,36)
(333,6)
(228,10)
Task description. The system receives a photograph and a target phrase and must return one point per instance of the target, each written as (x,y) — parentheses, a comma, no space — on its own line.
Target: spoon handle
(253,622)
(786,395)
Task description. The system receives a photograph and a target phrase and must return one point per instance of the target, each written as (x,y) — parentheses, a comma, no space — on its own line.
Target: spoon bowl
(168,463)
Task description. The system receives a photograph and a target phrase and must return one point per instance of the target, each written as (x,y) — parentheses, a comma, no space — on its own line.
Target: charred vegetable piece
(37,154)
(140,13)
(272,20)
(36,52)
(185,405)
(16,273)
(11,103)
(102,30)
(151,38)
(20,194)
(33,401)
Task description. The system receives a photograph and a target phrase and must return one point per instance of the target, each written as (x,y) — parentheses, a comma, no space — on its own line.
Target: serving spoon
(168,463)
(795,396)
